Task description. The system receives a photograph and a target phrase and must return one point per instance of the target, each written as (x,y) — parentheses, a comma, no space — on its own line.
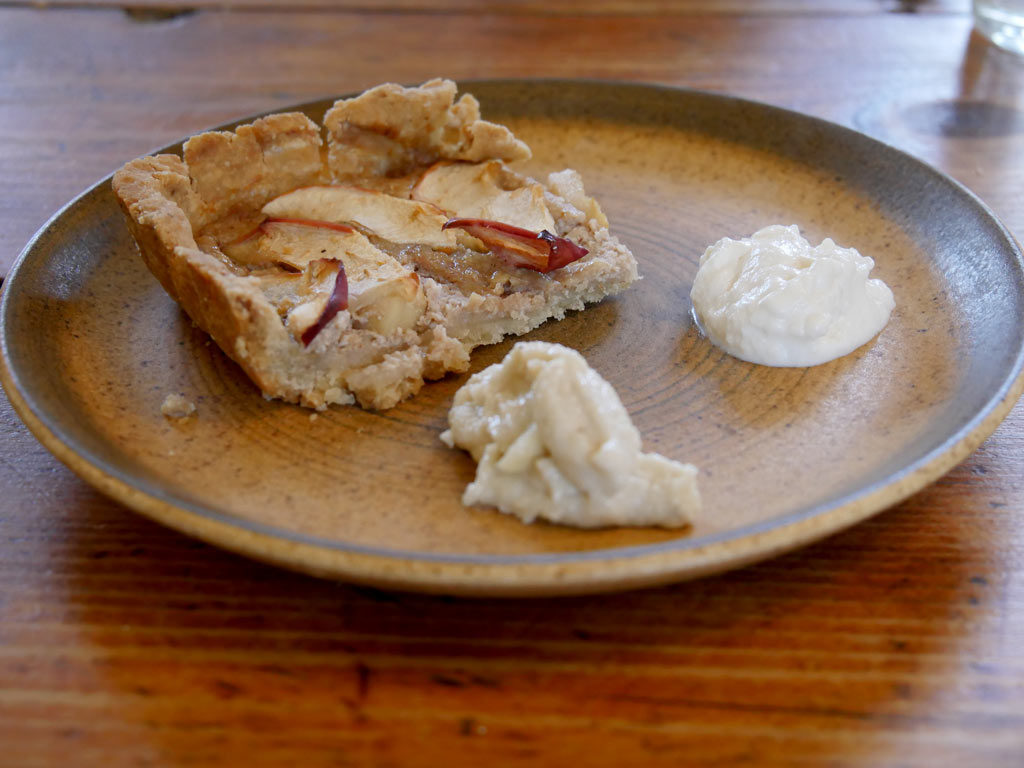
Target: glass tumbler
(1002,22)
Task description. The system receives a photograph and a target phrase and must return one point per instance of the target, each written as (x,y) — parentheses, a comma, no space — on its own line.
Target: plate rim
(561,573)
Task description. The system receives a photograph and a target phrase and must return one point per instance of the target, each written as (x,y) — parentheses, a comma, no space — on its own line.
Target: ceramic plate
(92,345)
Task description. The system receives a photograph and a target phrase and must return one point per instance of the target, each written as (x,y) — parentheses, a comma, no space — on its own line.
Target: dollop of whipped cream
(773,299)
(552,440)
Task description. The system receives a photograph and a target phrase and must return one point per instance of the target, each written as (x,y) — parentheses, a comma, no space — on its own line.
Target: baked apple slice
(381,292)
(336,301)
(475,191)
(392,218)
(518,247)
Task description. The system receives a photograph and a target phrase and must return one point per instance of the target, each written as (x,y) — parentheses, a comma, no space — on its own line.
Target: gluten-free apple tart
(357,267)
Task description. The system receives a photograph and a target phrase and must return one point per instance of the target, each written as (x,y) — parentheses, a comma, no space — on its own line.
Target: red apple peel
(337,301)
(308,223)
(539,251)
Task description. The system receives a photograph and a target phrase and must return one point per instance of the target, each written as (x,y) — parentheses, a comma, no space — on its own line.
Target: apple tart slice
(356,267)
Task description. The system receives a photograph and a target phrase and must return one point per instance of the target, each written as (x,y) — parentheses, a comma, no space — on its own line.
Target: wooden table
(897,643)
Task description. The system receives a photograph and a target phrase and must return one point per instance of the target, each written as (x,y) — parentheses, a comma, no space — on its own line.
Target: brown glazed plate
(92,345)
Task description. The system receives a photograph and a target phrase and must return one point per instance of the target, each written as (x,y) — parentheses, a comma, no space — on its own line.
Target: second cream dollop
(553,441)
(773,299)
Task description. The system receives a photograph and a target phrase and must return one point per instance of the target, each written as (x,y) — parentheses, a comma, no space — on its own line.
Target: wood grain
(897,643)
(155,9)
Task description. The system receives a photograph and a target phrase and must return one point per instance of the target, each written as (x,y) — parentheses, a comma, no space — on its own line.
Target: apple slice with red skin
(475,191)
(539,251)
(392,218)
(261,228)
(248,248)
(244,249)
(383,295)
(337,301)
(308,223)
(280,245)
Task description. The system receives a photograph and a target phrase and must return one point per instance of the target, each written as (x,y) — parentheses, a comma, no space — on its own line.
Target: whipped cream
(773,299)
(553,441)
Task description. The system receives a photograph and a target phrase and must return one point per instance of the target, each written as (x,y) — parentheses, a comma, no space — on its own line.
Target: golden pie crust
(249,279)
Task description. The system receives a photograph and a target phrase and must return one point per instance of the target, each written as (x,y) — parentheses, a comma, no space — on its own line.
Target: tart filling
(354,269)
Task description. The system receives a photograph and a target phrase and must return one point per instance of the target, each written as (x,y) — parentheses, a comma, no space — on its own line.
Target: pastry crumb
(177,407)
(312,417)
